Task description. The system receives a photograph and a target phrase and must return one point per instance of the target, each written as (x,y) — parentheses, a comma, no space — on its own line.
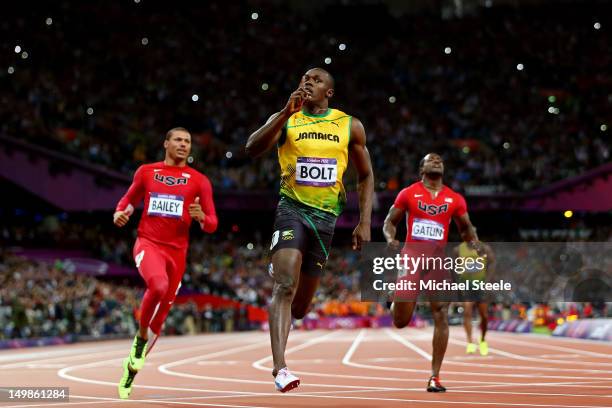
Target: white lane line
(427,401)
(528,358)
(409,344)
(78,352)
(35,355)
(319,395)
(354,348)
(539,394)
(535,359)
(62,360)
(349,353)
(259,363)
(165,401)
(54,404)
(579,384)
(312,340)
(508,340)
(428,357)
(558,339)
(63,373)
(360,338)
(347,361)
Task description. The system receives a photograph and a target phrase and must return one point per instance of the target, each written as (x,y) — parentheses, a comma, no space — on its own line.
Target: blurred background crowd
(519,102)
(39,299)
(514,98)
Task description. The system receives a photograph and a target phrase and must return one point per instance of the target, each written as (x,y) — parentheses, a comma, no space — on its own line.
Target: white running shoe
(285,381)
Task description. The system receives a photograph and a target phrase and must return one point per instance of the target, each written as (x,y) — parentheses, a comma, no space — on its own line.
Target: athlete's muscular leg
(402,313)
(151,265)
(176,266)
(286,263)
(484,321)
(467,319)
(307,287)
(440,336)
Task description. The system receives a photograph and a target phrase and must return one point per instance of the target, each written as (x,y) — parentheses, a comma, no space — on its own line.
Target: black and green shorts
(305,228)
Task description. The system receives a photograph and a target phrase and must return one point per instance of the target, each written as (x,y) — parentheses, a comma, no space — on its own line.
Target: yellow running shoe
(138,353)
(484,348)
(125,384)
(471,348)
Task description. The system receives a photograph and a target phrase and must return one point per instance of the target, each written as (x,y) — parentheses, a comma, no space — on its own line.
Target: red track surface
(345,368)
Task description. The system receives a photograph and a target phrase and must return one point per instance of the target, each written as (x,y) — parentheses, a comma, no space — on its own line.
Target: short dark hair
(176,129)
(422,162)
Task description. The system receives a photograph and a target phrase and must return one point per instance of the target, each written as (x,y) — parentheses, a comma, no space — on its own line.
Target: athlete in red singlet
(174,195)
(430,206)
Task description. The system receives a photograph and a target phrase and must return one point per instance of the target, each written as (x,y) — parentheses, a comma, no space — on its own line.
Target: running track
(343,368)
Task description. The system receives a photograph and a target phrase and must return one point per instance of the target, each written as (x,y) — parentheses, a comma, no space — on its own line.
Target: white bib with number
(316,171)
(428,230)
(165,205)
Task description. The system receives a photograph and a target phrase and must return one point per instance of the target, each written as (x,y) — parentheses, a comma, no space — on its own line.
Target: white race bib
(428,230)
(165,205)
(316,171)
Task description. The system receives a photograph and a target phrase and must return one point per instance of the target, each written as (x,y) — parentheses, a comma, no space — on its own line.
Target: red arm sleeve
(461,206)
(208,207)
(401,202)
(134,195)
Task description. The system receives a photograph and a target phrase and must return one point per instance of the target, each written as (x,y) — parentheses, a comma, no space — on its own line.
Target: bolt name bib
(316,171)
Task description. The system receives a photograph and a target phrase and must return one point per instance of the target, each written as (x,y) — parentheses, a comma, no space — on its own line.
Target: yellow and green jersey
(475,272)
(313,155)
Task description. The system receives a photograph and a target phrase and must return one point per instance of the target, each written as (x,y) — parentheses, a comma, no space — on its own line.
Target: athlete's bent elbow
(251,151)
(248,149)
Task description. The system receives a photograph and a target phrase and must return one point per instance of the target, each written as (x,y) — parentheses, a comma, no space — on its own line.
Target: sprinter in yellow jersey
(472,297)
(314,143)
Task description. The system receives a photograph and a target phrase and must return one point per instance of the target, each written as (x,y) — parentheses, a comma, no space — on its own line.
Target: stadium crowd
(512,105)
(41,300)
(519,102)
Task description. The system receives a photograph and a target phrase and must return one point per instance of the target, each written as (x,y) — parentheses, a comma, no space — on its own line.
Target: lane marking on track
(349,353)
(61,360)
(321,396)
(409,344)
(513,356)
(563,339)
(63,373)
(508,340)
(83,353)
(428,357)
(257,364)
(311,342)
(347,361)
(34,356)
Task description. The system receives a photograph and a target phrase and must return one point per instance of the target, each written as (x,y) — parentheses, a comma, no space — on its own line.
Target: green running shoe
(137,353)
(471,348)
(125,384)
(484,348)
